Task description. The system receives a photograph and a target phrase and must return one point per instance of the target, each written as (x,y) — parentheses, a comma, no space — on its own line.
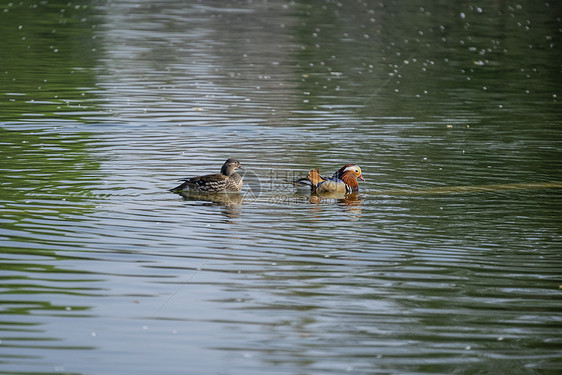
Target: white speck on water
(463,16)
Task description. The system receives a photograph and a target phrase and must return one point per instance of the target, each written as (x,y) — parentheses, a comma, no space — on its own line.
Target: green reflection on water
(46,75)
(50,51)
(43,165)
(47,72)
(410,59)
(46,179)
(45,190)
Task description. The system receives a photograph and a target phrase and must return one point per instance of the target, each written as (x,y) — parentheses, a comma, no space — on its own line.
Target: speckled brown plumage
(226,181)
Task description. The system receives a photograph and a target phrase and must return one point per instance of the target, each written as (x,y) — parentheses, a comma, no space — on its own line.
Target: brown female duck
(226,181)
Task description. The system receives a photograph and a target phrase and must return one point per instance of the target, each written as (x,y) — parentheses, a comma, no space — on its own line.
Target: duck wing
(211,182)
(314,177)
(303,182)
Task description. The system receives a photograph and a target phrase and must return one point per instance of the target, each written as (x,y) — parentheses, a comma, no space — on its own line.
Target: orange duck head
(347,168)
(349,176)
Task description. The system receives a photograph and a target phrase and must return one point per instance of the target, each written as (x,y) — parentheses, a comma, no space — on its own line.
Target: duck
(343,181)
(225,181)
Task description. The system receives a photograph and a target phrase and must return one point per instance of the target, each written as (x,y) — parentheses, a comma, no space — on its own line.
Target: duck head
(353,168)
(350,176)
(230,166)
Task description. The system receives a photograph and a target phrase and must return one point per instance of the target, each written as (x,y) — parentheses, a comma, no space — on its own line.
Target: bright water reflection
(447,261)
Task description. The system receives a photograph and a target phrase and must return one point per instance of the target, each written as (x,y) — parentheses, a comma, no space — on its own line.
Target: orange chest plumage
(350,179)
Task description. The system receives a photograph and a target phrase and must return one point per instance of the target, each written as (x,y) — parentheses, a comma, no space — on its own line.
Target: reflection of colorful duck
(351,203)
(343,181)
(226,181)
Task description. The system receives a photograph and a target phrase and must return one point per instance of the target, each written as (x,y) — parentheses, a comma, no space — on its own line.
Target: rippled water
(448,260)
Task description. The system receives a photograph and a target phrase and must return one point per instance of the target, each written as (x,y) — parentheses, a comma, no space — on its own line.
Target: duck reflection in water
(351,203)
(230,202)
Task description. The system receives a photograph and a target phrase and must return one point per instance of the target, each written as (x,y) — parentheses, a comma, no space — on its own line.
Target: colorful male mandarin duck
(343,181)
(226,181)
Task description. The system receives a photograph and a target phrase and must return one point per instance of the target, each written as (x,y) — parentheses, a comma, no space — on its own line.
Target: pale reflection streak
(469,189)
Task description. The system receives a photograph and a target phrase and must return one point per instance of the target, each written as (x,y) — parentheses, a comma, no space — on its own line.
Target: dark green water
(448,262)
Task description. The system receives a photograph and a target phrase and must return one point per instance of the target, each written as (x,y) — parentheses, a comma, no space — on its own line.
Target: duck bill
(361,177)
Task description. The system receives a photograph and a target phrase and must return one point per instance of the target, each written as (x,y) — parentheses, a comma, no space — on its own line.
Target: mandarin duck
(226,181)
(343,181)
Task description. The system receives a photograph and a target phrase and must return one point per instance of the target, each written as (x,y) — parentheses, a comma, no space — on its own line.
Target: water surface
(448,260)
